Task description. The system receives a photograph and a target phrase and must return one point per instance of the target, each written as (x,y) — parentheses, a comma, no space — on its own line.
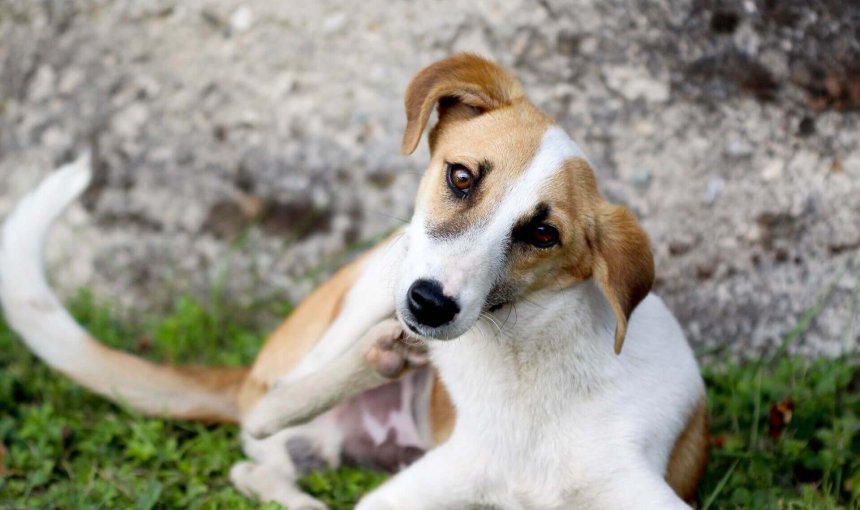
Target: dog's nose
(429,305)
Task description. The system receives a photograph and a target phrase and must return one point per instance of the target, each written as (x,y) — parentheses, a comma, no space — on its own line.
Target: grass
(66,449)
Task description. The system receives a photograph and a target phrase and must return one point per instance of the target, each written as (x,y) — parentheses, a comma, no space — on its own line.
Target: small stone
(225,220)
(806,126)
(568,42)
(57,141)
(42,86)
(714,189)
(71,80)
(705,271)
(680,247)
(129,121)
(642,178)
(724,22)
(772,170)
(242,19)
(213,18)
(635,83)
(588,45)
(644,128)
(334,23)
(738,149)
(520,44)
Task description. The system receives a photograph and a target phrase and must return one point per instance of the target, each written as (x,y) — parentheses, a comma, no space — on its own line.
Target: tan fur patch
(624,268)
(295,337)
(690,454)
(597,239)
(505,139)
(464,79)
(571,197)
(442,413)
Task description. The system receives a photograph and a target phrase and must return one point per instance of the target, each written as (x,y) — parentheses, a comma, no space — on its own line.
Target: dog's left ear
(623,264)
(461,83)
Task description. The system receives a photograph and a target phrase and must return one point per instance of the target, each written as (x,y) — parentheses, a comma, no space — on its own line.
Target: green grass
(65,448)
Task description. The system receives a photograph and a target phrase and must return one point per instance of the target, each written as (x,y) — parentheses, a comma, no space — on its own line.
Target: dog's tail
(35,313)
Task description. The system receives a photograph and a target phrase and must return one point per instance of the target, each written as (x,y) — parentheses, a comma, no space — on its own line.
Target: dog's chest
(539,416)
(383,427)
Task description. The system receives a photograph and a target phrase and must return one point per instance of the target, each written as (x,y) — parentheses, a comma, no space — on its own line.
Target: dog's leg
(634,486)
(271,482)
(441,480)
(370,300)
(279,460)
(379,356)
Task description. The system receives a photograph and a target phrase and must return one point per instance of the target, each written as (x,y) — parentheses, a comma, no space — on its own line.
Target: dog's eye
(460,179)
(543,236)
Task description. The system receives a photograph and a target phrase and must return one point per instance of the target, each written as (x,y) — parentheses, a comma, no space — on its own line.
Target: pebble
(242,19)
(42,86)
(714,189)
(642,178)
(634,83)
(130,120)
(738,149)
(71,79)
(772,170)
(334,23)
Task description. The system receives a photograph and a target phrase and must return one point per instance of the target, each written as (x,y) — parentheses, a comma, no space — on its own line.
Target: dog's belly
(387,427)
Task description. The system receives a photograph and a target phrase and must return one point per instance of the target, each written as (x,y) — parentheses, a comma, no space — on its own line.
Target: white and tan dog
(521,281)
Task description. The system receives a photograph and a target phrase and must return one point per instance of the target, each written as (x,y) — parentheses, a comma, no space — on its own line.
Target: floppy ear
(462,80)
(623,264)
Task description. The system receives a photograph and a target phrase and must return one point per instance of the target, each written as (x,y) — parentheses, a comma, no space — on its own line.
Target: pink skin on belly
(381,426)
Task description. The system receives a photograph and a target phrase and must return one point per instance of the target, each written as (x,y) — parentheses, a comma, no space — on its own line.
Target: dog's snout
(429,305)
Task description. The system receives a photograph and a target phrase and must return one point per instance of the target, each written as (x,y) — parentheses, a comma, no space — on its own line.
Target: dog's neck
(525,355)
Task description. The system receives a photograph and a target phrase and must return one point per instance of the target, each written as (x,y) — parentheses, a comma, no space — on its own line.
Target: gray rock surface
(243,146)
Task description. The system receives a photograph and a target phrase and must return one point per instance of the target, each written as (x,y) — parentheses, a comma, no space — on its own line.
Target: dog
(477,351)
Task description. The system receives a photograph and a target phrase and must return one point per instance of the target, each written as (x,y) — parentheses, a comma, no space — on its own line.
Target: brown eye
(544,236)
(460,179)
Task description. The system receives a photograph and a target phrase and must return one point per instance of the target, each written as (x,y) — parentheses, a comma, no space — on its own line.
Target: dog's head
(508,206)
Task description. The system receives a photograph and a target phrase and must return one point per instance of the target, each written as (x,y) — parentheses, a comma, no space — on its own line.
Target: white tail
(32,309)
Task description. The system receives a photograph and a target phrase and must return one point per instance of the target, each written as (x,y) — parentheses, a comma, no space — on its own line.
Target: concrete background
(247,146)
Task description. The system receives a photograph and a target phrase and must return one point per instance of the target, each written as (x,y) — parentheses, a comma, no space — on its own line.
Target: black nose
(429,305)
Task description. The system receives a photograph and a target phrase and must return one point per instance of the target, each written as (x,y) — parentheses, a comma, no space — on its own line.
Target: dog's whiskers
(389,215)
(493,321)
(533,302)
(508,316)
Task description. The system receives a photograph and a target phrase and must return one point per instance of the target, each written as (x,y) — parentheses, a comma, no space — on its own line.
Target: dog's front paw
(372,502)
(393,352)
(267,483)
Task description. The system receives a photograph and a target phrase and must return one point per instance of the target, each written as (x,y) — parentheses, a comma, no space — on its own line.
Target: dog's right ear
(623,264)
(464,84)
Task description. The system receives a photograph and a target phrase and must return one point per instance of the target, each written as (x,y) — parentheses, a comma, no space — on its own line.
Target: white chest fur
(547,410)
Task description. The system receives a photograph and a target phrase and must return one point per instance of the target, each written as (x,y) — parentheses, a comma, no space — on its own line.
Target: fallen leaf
(817,103)
(836,166)
(142,344)
(854,92)
(833,85)
(780,417)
